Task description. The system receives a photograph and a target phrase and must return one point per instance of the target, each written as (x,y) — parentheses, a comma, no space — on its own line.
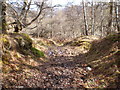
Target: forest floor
(63,67)
(66,70)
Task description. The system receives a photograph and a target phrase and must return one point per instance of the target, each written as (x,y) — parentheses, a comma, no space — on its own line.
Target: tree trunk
(85,19)
(93,18)
(0,17)
(51,22)
(117,11)
(3,13)
(101,20)
(110,18)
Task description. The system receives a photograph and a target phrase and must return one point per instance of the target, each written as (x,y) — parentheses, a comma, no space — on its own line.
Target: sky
(64,2)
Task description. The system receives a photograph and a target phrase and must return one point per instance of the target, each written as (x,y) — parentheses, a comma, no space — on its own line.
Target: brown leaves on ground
(64,67)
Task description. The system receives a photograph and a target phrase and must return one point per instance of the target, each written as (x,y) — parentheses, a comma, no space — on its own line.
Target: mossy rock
(23,40)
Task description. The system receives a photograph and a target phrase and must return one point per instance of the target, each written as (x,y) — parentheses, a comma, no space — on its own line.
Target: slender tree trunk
(0,17)
(85,19)
(3,13)
(51,22)
(93,18)
(101,19)
(117,11)
(110,18)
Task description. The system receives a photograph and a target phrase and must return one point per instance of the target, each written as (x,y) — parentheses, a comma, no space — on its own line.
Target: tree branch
(41,9)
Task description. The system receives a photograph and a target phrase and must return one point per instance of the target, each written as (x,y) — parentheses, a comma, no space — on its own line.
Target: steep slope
(18,57)
(104,57)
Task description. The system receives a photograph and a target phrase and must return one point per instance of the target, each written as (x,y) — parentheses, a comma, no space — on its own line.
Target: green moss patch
(82,42)
(37,52)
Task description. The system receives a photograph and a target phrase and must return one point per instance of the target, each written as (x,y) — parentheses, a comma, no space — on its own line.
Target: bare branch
(41,9)
(14,11)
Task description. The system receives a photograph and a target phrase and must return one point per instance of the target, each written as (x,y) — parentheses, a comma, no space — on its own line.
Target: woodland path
(63,70)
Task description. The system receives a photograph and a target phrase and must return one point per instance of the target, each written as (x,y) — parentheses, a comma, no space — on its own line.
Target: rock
(89,68)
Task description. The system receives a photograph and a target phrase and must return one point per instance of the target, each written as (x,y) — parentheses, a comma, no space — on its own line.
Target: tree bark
(93,18)
(117,11)
(110,18)
(3,13)
(101,19)
(85,19)
(0,17)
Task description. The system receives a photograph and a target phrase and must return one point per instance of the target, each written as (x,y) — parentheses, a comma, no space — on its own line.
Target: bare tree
(21,16)
(117,12)
(0,17)
(3,16)
(21,19)
(110,17)
(93,18)
(85,18)
(101,19)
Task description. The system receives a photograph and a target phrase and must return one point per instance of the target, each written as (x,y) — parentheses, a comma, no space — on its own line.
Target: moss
(0,28)
(75,43)
(113,37)
(50,43)
(24,51)
(5,42)
(3,39)
(26,36)
(86,45)
(36,52)
(5,62)
(82,44)
(23,40)
(41,43)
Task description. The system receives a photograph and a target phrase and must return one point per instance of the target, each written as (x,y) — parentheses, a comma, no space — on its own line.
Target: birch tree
(93,18)
(101,19)
(85,18)
(109,30)
(117,12)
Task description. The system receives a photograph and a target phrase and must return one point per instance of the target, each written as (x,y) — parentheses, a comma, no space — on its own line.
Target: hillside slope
(104,57)
(19,56)
(84,62)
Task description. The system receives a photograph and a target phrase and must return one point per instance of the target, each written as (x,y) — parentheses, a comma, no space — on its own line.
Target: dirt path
(62,71)
(64,67)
